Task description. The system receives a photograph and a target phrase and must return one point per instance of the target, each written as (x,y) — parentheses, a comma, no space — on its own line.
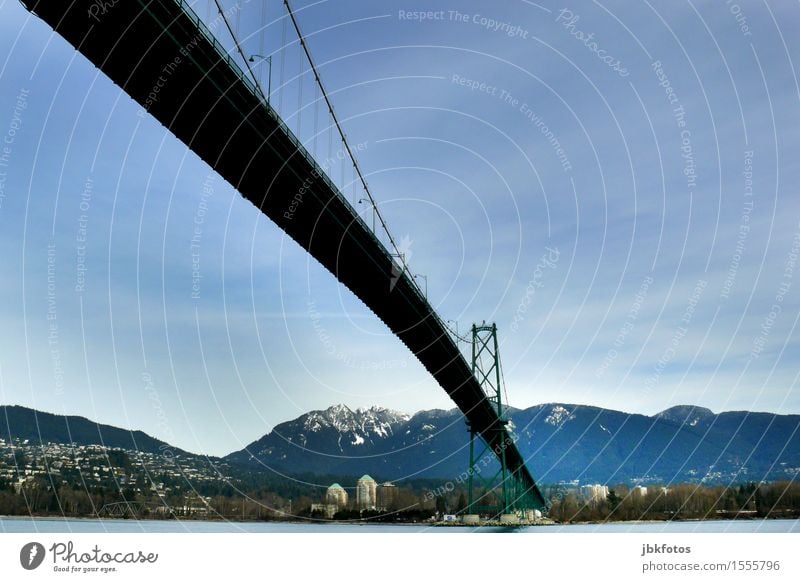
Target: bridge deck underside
(205,103)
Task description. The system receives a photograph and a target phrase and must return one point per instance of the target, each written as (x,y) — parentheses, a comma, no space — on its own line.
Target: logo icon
(31,555)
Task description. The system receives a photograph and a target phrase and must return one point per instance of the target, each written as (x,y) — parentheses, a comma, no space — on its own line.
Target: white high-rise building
(594,494)
(366,493)
(336,495)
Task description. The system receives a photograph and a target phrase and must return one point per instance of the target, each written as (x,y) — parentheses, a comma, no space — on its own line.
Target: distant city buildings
(369,496)
(366,493)
(326,509)
(195,504)
(639,491)
(594,494)
(22,463)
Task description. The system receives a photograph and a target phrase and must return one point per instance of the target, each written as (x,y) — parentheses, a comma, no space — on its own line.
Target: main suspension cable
(356,167)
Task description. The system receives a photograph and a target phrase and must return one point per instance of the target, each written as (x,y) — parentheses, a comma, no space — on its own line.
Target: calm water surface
(58,525)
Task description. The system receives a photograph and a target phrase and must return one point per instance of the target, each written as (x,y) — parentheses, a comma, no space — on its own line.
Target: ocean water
(59,525)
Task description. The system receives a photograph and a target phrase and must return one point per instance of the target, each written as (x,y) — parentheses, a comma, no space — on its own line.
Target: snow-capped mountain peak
(371,422)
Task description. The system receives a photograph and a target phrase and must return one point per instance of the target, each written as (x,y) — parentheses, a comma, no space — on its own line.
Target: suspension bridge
(206,93)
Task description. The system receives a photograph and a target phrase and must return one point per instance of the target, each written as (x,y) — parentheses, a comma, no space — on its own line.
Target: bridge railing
(255,88)
(212,39)
(257,92)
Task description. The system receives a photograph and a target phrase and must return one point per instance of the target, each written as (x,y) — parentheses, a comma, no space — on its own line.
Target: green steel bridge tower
(501,491)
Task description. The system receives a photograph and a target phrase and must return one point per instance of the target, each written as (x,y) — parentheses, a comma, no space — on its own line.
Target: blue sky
(630,248)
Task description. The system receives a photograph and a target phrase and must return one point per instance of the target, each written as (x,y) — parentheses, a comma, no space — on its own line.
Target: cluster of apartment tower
(369,495)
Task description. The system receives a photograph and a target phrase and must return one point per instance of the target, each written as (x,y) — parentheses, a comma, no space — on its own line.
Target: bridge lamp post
(252,59)
(424,278)
(374,210)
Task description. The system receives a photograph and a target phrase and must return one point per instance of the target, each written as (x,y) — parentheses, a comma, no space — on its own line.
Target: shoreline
(359,523)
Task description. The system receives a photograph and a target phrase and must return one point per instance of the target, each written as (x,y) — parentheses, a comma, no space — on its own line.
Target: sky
(614,185)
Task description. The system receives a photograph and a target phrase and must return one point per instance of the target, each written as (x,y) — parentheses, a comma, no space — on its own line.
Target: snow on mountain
(363,422)
(558,416)
(335,430)
(561,441)
(686,415)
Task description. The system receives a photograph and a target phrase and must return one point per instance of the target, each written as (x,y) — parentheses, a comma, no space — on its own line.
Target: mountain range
(561,442)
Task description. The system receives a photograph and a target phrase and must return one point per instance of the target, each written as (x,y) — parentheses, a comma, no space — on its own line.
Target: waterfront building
(337,496)
(366,493)
(594,494)
(386,496)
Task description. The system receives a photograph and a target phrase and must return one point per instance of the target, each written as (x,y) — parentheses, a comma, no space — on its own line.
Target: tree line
(748,500)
